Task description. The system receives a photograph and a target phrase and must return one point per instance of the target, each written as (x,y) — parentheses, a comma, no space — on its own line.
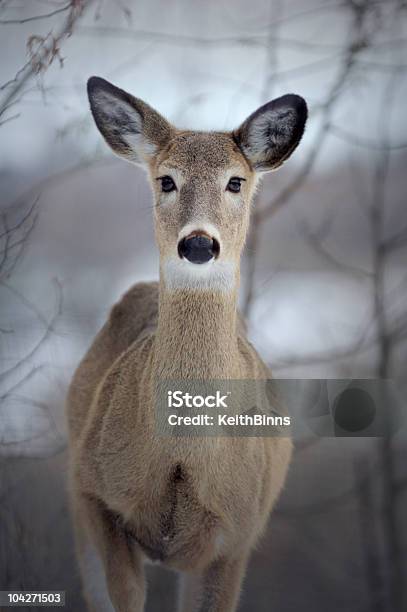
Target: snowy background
(324,284)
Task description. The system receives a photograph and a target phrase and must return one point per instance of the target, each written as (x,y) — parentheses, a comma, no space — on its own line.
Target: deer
(196,505)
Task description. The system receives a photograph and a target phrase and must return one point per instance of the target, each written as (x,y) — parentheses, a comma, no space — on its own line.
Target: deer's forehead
(203,153)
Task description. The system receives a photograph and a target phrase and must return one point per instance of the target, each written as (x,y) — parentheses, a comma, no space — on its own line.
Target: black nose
(198,248)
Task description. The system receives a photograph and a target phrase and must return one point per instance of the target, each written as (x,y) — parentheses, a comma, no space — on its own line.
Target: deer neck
(196,336)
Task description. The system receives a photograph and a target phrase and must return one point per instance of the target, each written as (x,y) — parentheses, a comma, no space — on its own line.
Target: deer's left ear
(269,136)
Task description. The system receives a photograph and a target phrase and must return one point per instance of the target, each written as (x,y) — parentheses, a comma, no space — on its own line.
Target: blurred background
(324,285)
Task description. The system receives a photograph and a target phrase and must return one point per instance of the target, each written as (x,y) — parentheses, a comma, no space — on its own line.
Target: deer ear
(130,127)
(269,136)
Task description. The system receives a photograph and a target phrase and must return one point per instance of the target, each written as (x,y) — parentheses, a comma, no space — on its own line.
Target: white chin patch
(211,276)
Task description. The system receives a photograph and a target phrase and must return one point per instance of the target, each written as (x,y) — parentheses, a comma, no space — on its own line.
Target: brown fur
(198,505)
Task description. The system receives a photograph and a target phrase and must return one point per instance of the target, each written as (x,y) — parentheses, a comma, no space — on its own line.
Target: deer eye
(234,184)
(167,184)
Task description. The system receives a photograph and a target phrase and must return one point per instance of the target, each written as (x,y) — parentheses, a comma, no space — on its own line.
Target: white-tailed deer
(197,505)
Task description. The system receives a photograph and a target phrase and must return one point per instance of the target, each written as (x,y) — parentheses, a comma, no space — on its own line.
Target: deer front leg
(216,590)
(112,573)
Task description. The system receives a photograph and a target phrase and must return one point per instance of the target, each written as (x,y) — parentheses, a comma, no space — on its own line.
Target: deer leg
(112,572)
(216,590)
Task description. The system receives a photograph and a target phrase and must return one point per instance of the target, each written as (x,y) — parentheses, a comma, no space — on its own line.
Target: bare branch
(360,42)
(33,372)
(327,505)
(42,52)
(12,118)
(316,239)
(369,534)
(396,241)
(14,238)
(365,143)
(15,78)
(36,17)
(46,334)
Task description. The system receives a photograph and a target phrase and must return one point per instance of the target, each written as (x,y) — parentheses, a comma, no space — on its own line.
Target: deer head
(203,182)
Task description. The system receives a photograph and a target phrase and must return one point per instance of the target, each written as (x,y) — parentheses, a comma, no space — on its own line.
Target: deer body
(197,505)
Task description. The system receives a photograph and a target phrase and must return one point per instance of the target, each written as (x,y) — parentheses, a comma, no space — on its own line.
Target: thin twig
(36,17)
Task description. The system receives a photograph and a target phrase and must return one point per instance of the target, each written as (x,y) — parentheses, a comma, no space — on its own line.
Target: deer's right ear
(130,127)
